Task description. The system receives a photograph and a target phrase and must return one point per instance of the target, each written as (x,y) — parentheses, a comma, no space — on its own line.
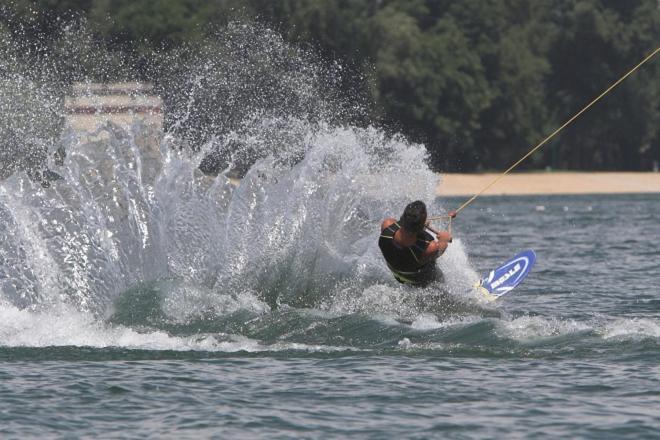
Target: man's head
(414,217)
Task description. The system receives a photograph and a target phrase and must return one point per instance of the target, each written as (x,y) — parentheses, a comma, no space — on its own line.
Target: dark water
(573,352)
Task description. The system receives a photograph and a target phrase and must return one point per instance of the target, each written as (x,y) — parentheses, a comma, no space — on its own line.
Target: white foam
(427,322)
(455,265)
(631,328)
(295,346)
(431,322)
(405,344)
(185,301)
(533,327)
(24,328)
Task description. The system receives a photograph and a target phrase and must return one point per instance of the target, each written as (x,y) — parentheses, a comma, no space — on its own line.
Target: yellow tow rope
(544,141)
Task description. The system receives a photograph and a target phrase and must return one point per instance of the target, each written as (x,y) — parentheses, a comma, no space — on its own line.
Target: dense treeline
(478,82)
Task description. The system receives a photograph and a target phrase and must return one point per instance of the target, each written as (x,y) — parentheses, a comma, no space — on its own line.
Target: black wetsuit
(406,262)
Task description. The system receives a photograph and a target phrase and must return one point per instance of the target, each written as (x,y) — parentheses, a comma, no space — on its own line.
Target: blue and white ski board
(505,278)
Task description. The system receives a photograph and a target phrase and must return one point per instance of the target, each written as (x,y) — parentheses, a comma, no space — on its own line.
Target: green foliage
(599,42)
(479,82)
(147,23)
(431,84)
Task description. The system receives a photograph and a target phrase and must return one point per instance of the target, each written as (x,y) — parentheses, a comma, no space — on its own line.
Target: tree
(599,42)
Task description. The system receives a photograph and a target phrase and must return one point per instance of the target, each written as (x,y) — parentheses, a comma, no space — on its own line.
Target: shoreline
(549,183)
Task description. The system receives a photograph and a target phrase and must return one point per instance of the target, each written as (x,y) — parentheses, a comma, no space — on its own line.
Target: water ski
(504,279)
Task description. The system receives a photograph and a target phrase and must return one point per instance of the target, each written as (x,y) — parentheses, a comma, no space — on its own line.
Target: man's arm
(387,223)
(438,246)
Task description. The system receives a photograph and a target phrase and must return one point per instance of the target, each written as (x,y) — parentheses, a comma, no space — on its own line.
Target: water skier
(411,247)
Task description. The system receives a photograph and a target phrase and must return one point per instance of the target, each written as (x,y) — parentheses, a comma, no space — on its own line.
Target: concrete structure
(90,104)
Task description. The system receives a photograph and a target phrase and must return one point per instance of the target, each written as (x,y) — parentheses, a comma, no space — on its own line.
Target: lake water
(140,298)
(573,352)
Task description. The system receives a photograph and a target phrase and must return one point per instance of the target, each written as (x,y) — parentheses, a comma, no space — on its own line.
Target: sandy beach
(455,184)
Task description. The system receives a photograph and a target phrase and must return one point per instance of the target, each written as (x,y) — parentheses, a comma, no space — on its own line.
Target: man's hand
(452,214)
(444,236)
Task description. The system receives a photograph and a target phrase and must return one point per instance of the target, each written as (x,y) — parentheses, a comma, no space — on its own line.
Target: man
(410,246)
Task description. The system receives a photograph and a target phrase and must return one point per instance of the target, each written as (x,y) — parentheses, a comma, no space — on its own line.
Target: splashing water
(129,211)
(132,207)
(136,247)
